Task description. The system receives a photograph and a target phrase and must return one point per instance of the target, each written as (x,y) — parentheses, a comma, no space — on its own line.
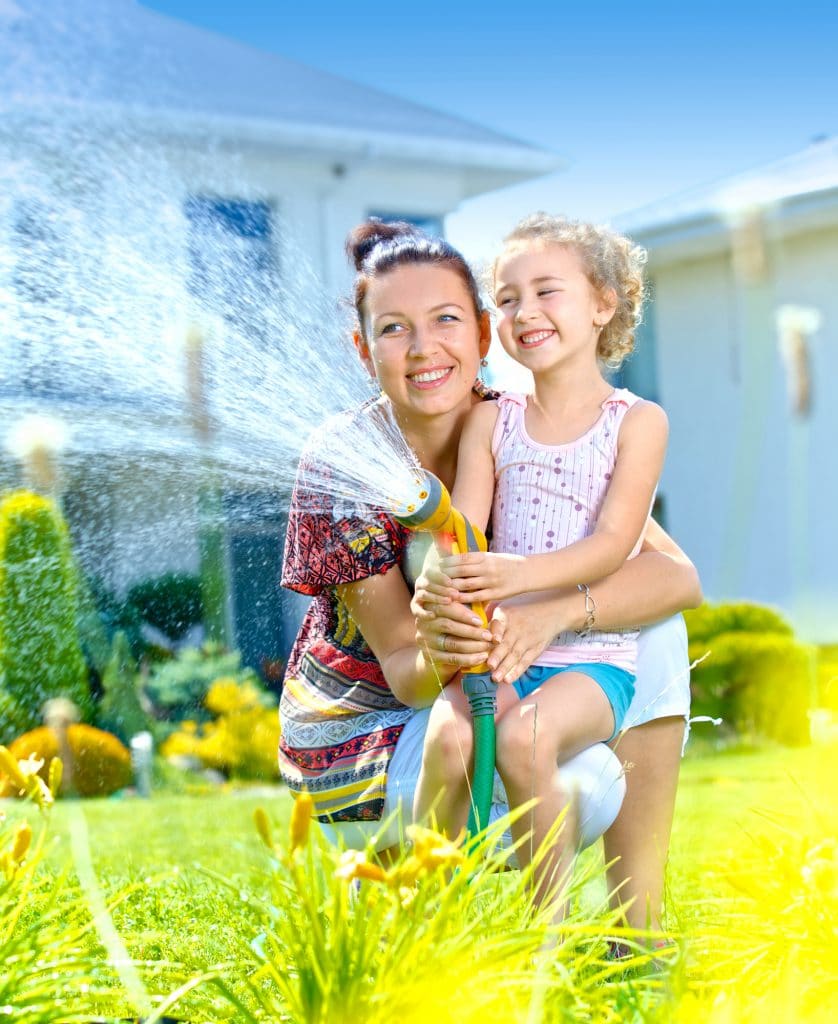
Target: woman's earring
(484,362)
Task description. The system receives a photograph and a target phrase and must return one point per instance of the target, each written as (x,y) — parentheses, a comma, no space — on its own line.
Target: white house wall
(751,488)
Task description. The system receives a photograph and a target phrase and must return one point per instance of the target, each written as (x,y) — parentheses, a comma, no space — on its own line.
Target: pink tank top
(549,496)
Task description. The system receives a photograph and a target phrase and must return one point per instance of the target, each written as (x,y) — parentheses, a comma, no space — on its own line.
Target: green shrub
(112,615)
(40,649)
(756,676)
(827,680)
(171,603)
(120,710)
(242,740)
(177,688)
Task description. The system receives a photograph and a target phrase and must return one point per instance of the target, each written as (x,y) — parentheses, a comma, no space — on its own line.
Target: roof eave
(709,232)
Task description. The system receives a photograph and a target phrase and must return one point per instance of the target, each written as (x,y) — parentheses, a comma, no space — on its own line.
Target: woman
(350,735)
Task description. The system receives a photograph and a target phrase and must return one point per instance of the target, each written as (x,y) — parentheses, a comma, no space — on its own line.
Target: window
(430,225)
(232,258)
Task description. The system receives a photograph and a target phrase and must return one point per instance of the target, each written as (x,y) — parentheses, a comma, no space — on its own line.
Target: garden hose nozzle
(430,510)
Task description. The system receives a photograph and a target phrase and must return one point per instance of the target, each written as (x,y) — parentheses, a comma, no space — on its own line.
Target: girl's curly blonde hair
(611,261)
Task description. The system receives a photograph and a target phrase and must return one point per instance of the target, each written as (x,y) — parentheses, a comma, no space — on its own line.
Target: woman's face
(423,339)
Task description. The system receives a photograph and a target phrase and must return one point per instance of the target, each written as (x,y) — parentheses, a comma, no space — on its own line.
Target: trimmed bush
(40,650)
(100,763)
(171,603)
(757,677)
(177,688)
(120,710)
(242,741)
(828,677)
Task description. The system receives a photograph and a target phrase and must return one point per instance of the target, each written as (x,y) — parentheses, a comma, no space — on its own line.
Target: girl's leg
(443,794)
(565,715)
(639,838)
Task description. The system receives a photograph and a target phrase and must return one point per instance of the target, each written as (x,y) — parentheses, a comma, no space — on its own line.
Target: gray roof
(117,52)
(809,175)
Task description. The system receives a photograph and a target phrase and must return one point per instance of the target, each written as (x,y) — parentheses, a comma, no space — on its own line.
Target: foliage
(242,741)
(48,966)
(443,934)
(40,650)
(758,887)
(99,764)
(171,603)
(757,677)
(103,611)
(120,710)
(177,688)
(827,684)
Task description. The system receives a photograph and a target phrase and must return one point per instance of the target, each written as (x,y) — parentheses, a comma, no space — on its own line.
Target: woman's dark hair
(376,247)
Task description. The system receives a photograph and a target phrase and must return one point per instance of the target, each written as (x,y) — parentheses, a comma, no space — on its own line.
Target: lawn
(752,891)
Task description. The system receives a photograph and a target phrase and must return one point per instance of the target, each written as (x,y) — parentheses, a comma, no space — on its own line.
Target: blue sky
(643,100)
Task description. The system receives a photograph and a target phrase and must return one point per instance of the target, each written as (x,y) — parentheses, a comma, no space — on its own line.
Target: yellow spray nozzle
(435,514)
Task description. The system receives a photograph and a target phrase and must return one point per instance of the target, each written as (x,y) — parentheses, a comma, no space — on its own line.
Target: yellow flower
(21,842)
(263,827)
(9,765)
(434,850)
(407,873)
(56,772)
(301,820)
(354,864)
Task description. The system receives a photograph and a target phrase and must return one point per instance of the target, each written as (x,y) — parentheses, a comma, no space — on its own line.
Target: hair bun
(365,237)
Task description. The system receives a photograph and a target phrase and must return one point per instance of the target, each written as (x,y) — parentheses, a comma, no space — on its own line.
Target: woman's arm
(659,582)
(380,607)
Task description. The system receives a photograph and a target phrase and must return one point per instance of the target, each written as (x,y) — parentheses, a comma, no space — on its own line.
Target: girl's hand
(485,576)
(446,629)
(523,629)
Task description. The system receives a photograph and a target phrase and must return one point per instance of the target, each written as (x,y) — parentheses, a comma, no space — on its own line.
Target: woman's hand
(484,576)
(446,628)
(524,628)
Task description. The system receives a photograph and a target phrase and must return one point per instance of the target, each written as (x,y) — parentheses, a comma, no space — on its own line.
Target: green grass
(750,886)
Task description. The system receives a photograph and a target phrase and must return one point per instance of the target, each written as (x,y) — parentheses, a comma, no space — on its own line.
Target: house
(739,345)
(173,208)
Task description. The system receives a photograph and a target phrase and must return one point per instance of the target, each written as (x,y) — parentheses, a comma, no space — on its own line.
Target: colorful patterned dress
(340,720)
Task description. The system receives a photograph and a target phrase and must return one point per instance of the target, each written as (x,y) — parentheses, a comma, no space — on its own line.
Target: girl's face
(423,339)
(548,310)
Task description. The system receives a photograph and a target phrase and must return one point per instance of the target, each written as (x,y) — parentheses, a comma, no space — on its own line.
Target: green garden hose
(432,511)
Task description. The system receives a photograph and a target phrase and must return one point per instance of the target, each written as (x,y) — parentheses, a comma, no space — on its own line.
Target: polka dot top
(549,496)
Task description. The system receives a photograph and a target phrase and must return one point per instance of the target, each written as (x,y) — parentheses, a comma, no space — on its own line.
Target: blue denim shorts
(615,683)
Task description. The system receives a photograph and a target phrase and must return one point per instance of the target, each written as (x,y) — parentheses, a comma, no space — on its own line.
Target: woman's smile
(432,377)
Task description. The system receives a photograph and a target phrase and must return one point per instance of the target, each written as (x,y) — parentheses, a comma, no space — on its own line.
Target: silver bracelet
(590,610)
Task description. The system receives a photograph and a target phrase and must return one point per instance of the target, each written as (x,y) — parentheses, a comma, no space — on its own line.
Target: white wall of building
(751,487)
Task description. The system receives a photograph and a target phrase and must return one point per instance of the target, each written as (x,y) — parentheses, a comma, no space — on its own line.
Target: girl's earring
(484,362)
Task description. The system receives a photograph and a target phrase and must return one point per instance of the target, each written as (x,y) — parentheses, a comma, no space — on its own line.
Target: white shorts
(595,774)
(662,687)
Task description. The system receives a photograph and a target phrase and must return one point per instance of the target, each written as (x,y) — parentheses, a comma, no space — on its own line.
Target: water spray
(429,509)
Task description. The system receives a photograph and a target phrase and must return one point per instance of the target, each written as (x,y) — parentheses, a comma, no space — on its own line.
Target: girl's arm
(625,511)
(659,582)
(380,607)
(474,487)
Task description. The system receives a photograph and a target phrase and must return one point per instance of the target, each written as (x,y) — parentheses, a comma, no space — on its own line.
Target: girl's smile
(547,304)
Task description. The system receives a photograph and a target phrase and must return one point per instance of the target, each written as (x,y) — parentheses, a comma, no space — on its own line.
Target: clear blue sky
(643,100)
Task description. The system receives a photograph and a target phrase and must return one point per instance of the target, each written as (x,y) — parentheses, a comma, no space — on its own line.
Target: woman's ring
(443,641)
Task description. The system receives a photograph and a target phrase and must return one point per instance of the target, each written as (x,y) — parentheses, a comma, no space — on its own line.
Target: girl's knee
(523,748)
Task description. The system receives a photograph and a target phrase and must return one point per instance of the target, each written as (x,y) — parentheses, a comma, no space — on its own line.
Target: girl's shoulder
(508,398)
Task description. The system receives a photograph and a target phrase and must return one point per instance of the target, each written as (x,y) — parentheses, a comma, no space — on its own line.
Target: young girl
(569,475)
